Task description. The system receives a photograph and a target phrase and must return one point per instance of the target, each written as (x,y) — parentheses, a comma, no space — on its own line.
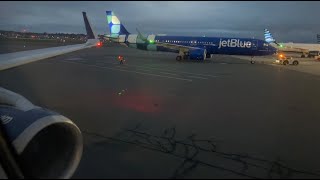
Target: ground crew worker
(121,59)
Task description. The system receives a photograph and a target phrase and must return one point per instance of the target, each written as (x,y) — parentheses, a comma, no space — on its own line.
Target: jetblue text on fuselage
(234,43)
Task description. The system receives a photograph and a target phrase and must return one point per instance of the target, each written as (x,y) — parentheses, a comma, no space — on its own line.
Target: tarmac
(154,117)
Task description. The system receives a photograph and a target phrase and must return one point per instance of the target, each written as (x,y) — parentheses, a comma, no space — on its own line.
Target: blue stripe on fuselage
(216,45)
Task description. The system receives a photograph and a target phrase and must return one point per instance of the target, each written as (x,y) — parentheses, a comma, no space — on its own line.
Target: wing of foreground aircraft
(36,142)
(11,60)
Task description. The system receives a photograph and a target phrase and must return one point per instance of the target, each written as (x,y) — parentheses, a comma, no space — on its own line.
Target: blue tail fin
(115,26)
(268,36)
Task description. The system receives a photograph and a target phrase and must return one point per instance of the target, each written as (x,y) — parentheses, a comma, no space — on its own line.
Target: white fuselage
(297,47)
(310,47)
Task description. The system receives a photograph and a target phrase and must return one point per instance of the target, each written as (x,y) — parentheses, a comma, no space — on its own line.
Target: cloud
(289,21)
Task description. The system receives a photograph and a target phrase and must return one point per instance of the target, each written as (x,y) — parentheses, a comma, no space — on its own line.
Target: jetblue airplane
(187,47)
(304,48)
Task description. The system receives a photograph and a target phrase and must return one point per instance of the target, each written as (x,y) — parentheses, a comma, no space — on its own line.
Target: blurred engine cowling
(48,144)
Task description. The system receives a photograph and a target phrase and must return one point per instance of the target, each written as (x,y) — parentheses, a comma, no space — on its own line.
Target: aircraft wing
(107,36)
(167,45)
(11,60)
(176,46)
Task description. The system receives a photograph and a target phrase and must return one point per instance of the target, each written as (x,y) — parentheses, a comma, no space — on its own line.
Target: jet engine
(46,144)
(198,54)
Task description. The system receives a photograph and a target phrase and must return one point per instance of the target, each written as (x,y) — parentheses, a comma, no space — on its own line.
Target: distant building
(318,38)
(61,36)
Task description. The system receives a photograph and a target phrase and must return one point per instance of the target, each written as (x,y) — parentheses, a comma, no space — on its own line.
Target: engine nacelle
(48,144)
(198,54)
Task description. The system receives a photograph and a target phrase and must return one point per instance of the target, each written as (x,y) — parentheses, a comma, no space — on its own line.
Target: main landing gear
(182,56)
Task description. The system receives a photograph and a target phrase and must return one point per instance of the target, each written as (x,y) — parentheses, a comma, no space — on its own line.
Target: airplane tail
(115,26)
(90,33)
(268,36)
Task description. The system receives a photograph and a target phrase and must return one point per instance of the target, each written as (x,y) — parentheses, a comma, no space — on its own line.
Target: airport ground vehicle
(284,60)
(313,54)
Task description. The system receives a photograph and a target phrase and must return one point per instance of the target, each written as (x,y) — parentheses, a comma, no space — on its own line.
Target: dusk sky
(288,21)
